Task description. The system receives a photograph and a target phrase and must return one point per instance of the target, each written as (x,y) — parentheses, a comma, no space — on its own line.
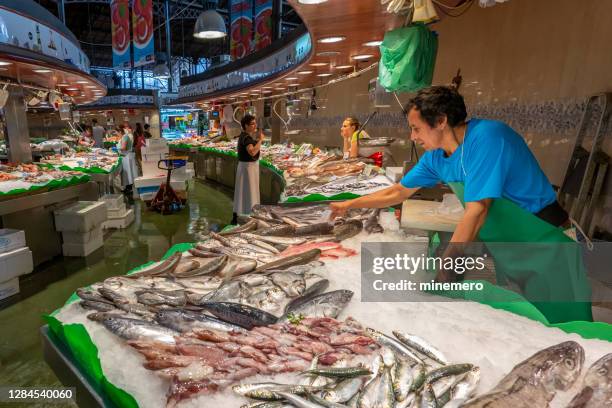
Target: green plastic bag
(408,58)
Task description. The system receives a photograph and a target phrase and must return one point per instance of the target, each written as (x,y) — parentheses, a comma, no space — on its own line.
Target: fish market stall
(101,164)
(270,311)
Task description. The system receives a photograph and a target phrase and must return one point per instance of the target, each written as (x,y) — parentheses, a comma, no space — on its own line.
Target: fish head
(564,362)
(599,375)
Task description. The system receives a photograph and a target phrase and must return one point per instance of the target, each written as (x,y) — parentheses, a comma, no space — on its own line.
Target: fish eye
(569,363)
(603,371)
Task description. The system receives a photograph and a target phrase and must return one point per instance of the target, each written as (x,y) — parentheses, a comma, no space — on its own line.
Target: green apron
(560,295)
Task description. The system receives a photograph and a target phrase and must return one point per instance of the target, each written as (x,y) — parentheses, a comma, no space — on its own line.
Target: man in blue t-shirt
(490,158)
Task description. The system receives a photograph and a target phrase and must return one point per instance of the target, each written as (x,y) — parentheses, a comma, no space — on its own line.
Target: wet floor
(147,239)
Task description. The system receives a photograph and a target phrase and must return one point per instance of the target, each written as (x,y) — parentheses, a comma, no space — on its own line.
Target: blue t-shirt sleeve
(486,168)
(422,174)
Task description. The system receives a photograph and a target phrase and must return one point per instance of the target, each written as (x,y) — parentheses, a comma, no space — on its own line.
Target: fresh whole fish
(378,393)
(371,224)
(261,244)
(185,321)
(463,389)
(535,381)
(241,315)
(291,260)
(403,378)
(158,297)
(395,345)
(277,230)
(199,253)
(428,398)
(325,403)
(269,391)
(272,239)
(597,386)
(99,306)
(298,401)
(212,266)
(164,267)
(249,226)
(237,267)
(348,230)
(134,329)
(185,266)
(420,345)
(340,372)
(113,296)
(344,391)
(291,283)
(328,304)
(321,228)
(92,296)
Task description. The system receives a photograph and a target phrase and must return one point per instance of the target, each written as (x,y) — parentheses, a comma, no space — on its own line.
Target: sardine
(462,389)
(241,315)
(428,398)
(325,403)
(298,401)
(421,346)
(378,392)
(340,372)
(395,345)
(344,391)
(403,378)
(269,391)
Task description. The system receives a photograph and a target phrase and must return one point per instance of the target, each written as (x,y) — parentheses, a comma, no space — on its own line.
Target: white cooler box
(82,216)
(15,263)
(113,201)
(9,288)
(395,174)
(82,238)
(11,239)
(83,249)
(155,146)
(120,222)
(153,158)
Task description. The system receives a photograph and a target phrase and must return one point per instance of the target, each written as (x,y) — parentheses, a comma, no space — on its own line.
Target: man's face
(421,133)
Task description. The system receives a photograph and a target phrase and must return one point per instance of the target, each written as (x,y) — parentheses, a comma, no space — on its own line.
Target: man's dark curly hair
(435,102)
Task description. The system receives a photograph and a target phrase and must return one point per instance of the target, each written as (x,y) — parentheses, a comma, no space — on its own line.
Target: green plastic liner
(88,170)
(52,185)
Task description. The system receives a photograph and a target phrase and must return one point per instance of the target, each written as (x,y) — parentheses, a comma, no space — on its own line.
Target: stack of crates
(81,227)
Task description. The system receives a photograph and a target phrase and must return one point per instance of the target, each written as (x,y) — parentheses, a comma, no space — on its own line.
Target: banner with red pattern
(263,23)
(120,27)
(142,26)
(241,28)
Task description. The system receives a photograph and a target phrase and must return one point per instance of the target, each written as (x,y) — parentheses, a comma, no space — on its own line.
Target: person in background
(246,192)
(126,151)
(98,133)
(348,131)
(147,133)
(86,138)
(139,143)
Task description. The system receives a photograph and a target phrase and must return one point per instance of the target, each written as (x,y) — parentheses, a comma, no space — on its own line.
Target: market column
(18,136)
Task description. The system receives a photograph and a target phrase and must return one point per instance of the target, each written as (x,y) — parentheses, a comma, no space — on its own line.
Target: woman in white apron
(128,167)
(246,190)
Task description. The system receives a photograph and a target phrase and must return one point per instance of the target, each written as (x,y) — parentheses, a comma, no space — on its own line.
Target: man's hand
(261,136)
(338,209)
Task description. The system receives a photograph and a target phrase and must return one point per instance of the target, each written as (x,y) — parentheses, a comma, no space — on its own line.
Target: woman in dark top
(139,143)
(246,190)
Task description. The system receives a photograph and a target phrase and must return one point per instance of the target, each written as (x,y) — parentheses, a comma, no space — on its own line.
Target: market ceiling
(91,23)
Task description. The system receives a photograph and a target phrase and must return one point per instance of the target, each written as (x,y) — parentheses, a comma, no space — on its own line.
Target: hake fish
(328,304)
(134,329)
(597,386)
(535,381)
(185,321)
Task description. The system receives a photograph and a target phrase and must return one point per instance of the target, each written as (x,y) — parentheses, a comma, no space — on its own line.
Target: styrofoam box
(82,249)
(190,166)
(118,213)
(82,216)
(82,237)
(120,223)
(150,169)
(148,181)
(160,149)
(156,142)
(113,201)
(15,263)
(9,288)
(11,239)
(394,173)
(153,157)
(147,196)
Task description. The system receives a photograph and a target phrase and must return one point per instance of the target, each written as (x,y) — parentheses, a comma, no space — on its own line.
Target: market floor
(147,239)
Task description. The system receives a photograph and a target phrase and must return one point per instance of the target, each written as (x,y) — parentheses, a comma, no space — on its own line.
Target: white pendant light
(210,25)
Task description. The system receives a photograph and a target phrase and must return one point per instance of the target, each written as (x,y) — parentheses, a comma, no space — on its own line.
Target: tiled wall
(530,63)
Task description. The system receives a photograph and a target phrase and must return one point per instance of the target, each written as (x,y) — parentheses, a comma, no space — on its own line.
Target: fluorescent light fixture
(291,79)
(318,64)
(324,75)
(293,84)
(5,63)
(343,66)
(72,89)
(330,40)
(372,43)
(82,82)
(328,53)
(280,89)
(311,1)
(63,84)
(42,71)
(305,72)
(362,57)
(91,86)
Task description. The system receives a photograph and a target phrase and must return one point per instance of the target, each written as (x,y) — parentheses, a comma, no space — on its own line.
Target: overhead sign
(241,28)
(263,23)
(21,31)
(120,27)
(142,27)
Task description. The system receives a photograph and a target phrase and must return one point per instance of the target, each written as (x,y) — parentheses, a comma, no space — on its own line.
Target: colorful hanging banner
(120,26)
(142,26)
(263,23)
(241,28)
